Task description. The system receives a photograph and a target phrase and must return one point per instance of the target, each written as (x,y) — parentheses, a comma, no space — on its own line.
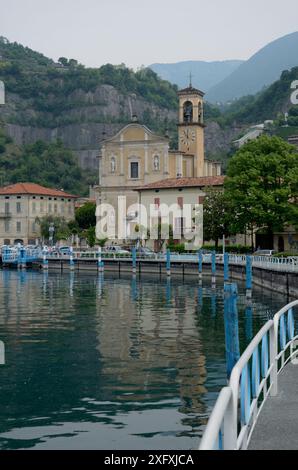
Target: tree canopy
(262,185)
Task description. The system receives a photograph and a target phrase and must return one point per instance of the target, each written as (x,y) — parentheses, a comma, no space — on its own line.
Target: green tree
(62,231)
(85,215)
(217,215)
(262,186)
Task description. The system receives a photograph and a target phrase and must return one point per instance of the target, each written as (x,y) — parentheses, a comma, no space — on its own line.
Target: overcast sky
(140,32)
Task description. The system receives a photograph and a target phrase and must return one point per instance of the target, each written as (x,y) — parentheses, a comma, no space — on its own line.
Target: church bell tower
(191,126)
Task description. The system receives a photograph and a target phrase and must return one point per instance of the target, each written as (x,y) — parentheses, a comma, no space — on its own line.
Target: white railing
(267,262)
(253,379)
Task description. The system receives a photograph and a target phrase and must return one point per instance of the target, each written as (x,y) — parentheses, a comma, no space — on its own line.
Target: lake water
(114,363)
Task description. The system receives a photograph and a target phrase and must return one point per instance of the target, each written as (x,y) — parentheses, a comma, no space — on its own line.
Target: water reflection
(109,362)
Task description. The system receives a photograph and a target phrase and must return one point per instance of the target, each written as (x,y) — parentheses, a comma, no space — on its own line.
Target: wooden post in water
(231,326)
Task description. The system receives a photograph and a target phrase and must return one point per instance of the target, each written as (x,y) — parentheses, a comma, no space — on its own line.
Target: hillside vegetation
(51,165)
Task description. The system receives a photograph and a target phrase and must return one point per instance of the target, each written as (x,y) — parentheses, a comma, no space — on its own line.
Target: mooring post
(248,277)
(168,262)
(100,263)
(134,288)
(226,267)
(231,326)
(200,259)
(213,262)
(71,261)
(22,258)
(45,263)
(2,353)
(168,290)
(134,260)
(249,322)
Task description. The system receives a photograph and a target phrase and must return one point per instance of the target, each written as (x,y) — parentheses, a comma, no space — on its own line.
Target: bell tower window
(188,112)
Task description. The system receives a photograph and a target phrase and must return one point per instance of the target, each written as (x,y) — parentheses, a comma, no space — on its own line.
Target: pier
(258,408)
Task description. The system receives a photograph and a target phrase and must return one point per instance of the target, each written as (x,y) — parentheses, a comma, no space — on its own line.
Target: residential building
(181,192)
(22,204)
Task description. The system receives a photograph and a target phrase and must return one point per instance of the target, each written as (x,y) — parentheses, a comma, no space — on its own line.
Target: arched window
(113,165)
(188,112)
(156,163)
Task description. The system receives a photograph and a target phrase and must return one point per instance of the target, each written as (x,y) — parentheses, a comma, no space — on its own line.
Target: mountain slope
(259,71)
(266,105)
(205,75)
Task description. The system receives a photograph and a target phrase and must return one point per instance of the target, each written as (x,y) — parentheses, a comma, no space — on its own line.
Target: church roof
(190,91)
(200,182)
(153,136)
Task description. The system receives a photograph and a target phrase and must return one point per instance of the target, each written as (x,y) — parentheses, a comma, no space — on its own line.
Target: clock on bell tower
(191,126)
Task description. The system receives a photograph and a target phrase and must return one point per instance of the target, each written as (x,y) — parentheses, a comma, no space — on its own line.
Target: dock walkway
(277,427)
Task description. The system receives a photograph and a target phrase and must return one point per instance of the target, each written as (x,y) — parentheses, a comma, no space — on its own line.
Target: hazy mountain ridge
(261,70)
(205,75)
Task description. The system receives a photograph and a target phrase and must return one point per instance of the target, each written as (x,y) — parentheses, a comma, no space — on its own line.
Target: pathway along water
(114,363)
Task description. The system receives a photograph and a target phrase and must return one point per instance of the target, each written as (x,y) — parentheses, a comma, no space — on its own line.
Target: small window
(134,170)
(50,207)
(34,207)
(7,208)
(19,227)
(6,225)
(19,208)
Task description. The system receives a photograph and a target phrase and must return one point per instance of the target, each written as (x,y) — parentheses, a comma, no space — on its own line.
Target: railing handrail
(215,421)
(241,388)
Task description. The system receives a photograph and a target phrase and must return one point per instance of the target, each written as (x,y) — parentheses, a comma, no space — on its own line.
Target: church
(136,157)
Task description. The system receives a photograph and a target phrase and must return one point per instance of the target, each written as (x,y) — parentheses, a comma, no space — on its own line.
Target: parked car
(116,249)
(264,253)
(145,252)
(64,250)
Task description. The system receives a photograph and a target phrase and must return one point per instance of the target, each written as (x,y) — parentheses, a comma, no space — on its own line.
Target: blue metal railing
(253,379)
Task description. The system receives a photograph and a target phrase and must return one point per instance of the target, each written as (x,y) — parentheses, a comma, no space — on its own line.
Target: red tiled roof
(185,183)
(33,188)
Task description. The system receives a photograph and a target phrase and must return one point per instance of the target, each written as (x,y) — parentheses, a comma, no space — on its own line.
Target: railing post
(248,277)
(273,338)
(213,263)
(168,263)
(226,267)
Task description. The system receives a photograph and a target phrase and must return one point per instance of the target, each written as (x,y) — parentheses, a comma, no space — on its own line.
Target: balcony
(5,215)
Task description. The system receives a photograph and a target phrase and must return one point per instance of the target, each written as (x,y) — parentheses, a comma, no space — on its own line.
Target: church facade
(136,156)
